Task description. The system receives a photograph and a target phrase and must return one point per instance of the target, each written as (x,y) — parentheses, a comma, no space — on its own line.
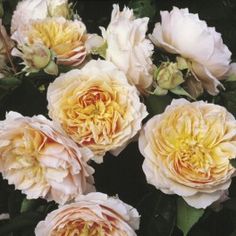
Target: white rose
(40,161)
(92,214)
(27,10)
(183,33)
(96,107)
(188,149)
(128,48)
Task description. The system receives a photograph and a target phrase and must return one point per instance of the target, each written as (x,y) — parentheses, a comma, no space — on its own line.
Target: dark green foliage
(122,175)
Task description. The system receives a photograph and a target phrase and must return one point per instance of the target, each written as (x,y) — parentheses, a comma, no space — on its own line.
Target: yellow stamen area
(81,228)
(192,143)
(23,157)
(62,36)
(92,116)
(92,225)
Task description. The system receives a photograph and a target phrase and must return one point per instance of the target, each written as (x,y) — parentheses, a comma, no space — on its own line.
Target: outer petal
(128,47)
(98,209)
(204,49)
(178,144)
(40,161)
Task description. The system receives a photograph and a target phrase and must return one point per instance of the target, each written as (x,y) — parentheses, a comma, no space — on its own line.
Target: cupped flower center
(23,156)
(82,228)
(193,145)
(92,115)
(59,35)
(106,225)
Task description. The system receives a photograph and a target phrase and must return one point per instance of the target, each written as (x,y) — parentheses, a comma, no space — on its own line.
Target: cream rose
(96,107)
(42,162)
(128,48)
(183,33)
(188,149)
(66,38)
(92,214)
(27,10)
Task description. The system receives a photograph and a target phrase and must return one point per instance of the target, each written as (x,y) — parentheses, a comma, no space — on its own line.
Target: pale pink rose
(40,161)
(92,214)
(183,33)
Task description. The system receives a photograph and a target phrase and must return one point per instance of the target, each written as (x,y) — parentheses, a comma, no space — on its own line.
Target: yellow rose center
(23,157)
(103,226)
(192,145)
(194,154)
(92,116)
(61,37)
(81,228)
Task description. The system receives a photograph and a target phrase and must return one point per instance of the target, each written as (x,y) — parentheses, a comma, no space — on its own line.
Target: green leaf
(187,216)
(158,213)
(1,9)
(21,222)
(233,162)
(143,8)
(25,99)
(228,97)
(14,203)
(28,205)
(231,78)
(4,190)
(180,91)
(157,104)
(9,82)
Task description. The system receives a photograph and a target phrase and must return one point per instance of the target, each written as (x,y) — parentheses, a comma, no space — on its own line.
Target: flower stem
(8,52)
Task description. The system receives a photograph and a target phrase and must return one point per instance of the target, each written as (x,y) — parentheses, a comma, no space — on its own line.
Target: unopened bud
(168,76)
(36,56)
(58,8)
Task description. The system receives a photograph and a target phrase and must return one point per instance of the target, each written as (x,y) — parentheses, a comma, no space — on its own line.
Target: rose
(27,10)
(128,48)
(188,149)
(93,214)
(183,33)
(96,107)
(67,39)
(40,161)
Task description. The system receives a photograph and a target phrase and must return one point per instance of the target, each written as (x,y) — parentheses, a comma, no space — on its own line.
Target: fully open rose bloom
(95,214)
(66,38)
(128,48)
(42,162)
(27,10)
(188,149)
(96,107)
(183,33)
